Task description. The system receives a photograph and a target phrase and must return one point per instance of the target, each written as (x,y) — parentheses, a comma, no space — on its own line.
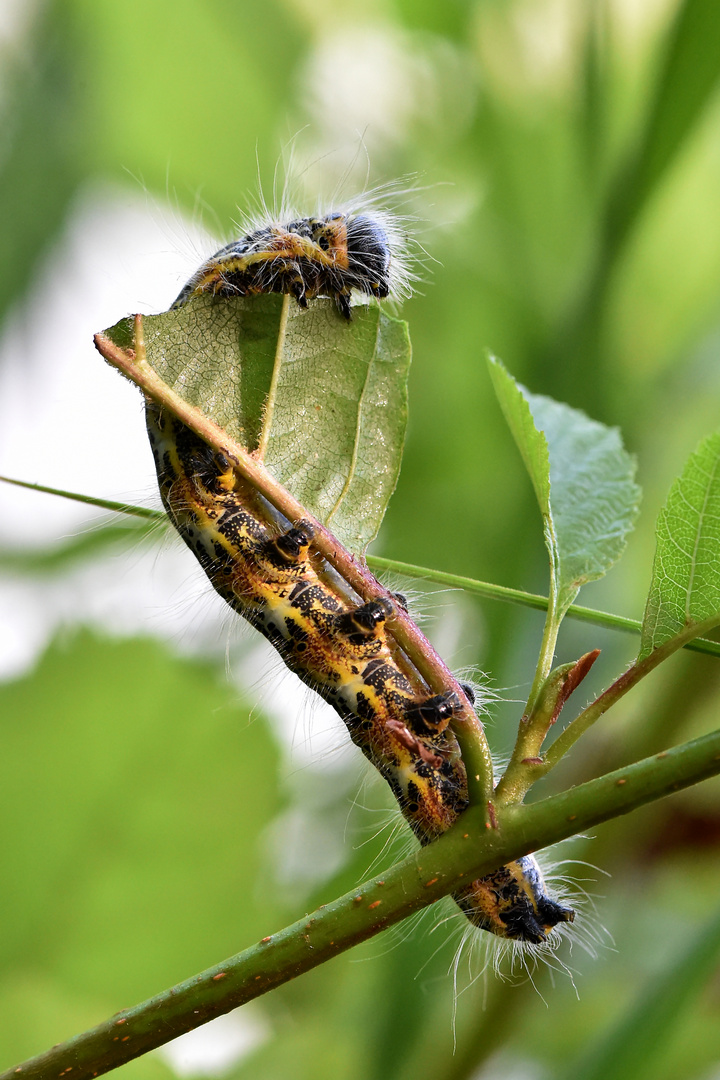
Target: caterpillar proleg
(268,573)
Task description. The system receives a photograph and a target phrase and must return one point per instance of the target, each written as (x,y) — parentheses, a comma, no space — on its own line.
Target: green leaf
(136,791)
(325,401)
(218,355)
(583,480)
(531,442)
(685,588)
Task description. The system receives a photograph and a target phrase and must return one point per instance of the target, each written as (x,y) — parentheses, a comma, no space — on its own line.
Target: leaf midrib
(698,536)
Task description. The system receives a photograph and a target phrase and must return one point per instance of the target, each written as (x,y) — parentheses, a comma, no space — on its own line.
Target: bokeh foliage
(580,240)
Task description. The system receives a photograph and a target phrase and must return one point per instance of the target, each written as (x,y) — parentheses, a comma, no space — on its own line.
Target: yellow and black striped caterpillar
(332,255)
(340,648)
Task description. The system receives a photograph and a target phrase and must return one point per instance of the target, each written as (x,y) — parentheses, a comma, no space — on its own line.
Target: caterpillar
(330,255)
(267,572)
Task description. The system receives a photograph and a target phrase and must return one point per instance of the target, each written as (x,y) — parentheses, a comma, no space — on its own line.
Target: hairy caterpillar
(341,650)
(329,255)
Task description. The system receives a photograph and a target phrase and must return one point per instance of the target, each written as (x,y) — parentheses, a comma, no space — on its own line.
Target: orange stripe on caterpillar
(342,652)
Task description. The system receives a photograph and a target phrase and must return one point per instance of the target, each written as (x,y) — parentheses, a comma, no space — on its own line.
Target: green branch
(468,851)
(629,678)
(534,600)
(91,500)
(486,589)
(526,765)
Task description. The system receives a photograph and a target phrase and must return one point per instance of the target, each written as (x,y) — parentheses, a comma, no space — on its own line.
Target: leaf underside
(338,413)
(530,441)
(583,479)
(593,495)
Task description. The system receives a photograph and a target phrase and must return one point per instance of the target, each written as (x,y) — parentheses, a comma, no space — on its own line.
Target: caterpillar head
(513,902)
(369,256)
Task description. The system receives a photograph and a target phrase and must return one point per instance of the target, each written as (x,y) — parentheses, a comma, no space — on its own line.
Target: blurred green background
(159,809)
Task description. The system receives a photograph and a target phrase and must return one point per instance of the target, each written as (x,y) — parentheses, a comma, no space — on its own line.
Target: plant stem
(546,656)
(604,619)
(617,690)
(91,500)
(526,764)
(534,600)
(272,392)
(539,711)
(468,728)
(522,774)
(469,850)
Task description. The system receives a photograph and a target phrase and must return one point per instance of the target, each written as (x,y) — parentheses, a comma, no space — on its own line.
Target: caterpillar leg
(342,303)
(297,288)
(365,621)
(292,546)
(433,716)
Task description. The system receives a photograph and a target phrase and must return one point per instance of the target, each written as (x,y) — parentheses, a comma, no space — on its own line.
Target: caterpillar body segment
(342,652)
(331,255)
